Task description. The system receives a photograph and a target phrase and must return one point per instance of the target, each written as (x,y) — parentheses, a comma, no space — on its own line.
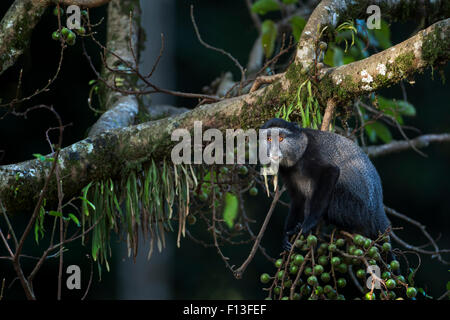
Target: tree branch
(16,28)
(106,154)
(19,22)
(426,49)
(332,12)
(122,40)
(398,146)
(84,3)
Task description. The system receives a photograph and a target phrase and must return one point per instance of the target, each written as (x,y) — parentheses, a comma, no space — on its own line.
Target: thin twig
(161,51)
(436,251)
(213,227)
(255,18)
(155,89)
(236,62)
(354,279)
(239,272)
(446,294)
(265,80)
(395,122)
(2,289)
(90,279)
(16,261)
(249,230)
(5,242)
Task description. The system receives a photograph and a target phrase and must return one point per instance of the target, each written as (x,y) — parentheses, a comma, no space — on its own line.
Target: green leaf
(448,286)
(85,203)
(361,49)
(334,56)
(406,108)
(328,58)
(85,200)
(55,213)
(422,291)
(74,219)
(383,35)
(230,209)
(36,233)
(377,129)
(39,156)
(39,224)
(290,1)
(338,57)
(263,6)
(269,35)
(347,31)
(348,59)
(396,108)
(42,158)
(297,24)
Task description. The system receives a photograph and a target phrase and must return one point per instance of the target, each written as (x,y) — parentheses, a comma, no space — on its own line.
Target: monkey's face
(284,147)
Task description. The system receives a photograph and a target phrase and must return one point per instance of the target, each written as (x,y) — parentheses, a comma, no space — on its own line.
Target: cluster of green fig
(318,269)
(68,35)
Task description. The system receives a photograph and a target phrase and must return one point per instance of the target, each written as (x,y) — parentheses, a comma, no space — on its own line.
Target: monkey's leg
(326,177)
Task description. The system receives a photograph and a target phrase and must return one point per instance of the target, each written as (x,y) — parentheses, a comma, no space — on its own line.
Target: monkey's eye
(269,139)
(280,139)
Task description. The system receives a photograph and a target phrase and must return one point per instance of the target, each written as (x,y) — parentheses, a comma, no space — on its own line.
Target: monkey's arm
(293,220)
(325,176)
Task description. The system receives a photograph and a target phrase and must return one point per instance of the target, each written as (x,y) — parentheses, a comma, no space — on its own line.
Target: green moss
(403,63)
(380,81)
(435,48)
(341,93)
(253,116)
(17,196)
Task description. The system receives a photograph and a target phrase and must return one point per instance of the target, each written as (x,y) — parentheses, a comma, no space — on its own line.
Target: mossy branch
(107,154)
(16,28)
(428,48)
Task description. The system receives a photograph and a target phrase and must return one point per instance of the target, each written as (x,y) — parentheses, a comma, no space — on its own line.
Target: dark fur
(333,179)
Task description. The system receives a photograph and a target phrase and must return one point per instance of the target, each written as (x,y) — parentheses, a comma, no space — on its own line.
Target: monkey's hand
(286,244)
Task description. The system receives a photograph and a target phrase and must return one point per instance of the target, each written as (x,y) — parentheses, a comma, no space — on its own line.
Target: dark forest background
(414,185)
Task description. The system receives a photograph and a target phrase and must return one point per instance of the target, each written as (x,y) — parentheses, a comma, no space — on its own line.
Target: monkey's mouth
(276,159)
